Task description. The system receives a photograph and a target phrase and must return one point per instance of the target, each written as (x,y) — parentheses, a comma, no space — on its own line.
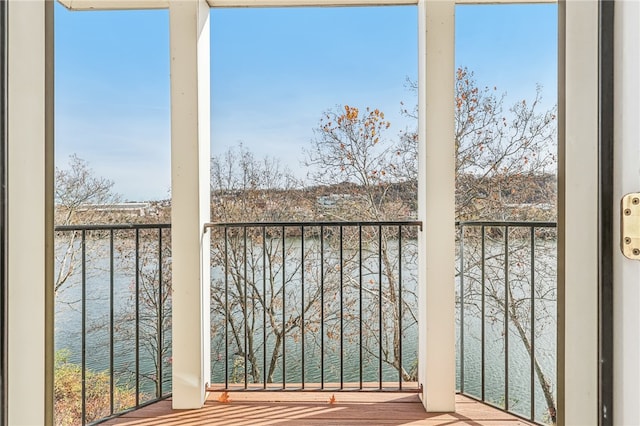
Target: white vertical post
(627,179)
(578,214)
(436,204)
(30,230)
(190,152)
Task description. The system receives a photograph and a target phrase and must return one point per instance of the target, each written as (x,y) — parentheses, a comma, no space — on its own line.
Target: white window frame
(30,376)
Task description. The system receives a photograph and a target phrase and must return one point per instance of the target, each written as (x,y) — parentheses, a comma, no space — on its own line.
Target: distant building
(130,209)
(333,200)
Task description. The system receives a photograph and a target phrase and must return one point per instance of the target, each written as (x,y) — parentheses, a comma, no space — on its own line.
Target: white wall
(627,179)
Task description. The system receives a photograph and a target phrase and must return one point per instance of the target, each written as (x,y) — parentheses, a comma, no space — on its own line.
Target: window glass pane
(313,119)
(112,148)
(506,169)
(112,97)
(276,71)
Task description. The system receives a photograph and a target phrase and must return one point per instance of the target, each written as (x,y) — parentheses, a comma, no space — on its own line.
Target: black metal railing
(506,313)
(314,305)
(113,313)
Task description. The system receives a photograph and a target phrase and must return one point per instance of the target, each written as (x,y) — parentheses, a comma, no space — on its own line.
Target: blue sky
(274,71)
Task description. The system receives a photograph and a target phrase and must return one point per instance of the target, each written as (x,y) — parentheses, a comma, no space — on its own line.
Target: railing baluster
(137,255)
(506,317)
(380,306)
(360,295)
(284,318)
(321,307)
(400,307)
(483,307)
(244,306)
(264,307)
(160,315)
(341,312)
(84,328)
(303,307)
(461,284)
(226,307)
(532,280)
(111,325)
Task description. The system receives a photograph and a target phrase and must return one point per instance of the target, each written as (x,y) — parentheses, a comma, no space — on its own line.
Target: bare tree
(501,157)
(353,146)
(505,159)
(252,189)
(250,285)
(77,189)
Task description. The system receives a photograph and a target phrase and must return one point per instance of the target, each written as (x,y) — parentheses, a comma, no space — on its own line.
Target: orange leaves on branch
(351,113)
(332,400)
(224,398)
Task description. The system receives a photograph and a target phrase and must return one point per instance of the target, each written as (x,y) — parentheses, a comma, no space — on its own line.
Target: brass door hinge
(630,225)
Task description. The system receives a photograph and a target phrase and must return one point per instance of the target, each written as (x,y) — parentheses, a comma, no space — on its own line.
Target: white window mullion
(30,213)
(578,214)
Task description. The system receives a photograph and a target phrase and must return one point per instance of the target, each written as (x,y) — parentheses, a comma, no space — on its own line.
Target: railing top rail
(496,223)
(133,226)
(312,223)
(115,227)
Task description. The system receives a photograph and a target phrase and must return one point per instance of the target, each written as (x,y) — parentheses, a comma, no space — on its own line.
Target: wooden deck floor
(313,408)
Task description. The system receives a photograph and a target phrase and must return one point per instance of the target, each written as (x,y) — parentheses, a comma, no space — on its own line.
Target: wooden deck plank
(313,408)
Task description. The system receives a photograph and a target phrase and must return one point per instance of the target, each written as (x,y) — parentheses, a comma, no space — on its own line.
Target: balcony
(252,408)
(313,322)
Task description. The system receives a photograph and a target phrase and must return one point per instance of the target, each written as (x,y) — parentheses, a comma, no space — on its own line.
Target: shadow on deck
(314,408)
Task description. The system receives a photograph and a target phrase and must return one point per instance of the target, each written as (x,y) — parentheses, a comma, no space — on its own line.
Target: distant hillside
(521,197)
